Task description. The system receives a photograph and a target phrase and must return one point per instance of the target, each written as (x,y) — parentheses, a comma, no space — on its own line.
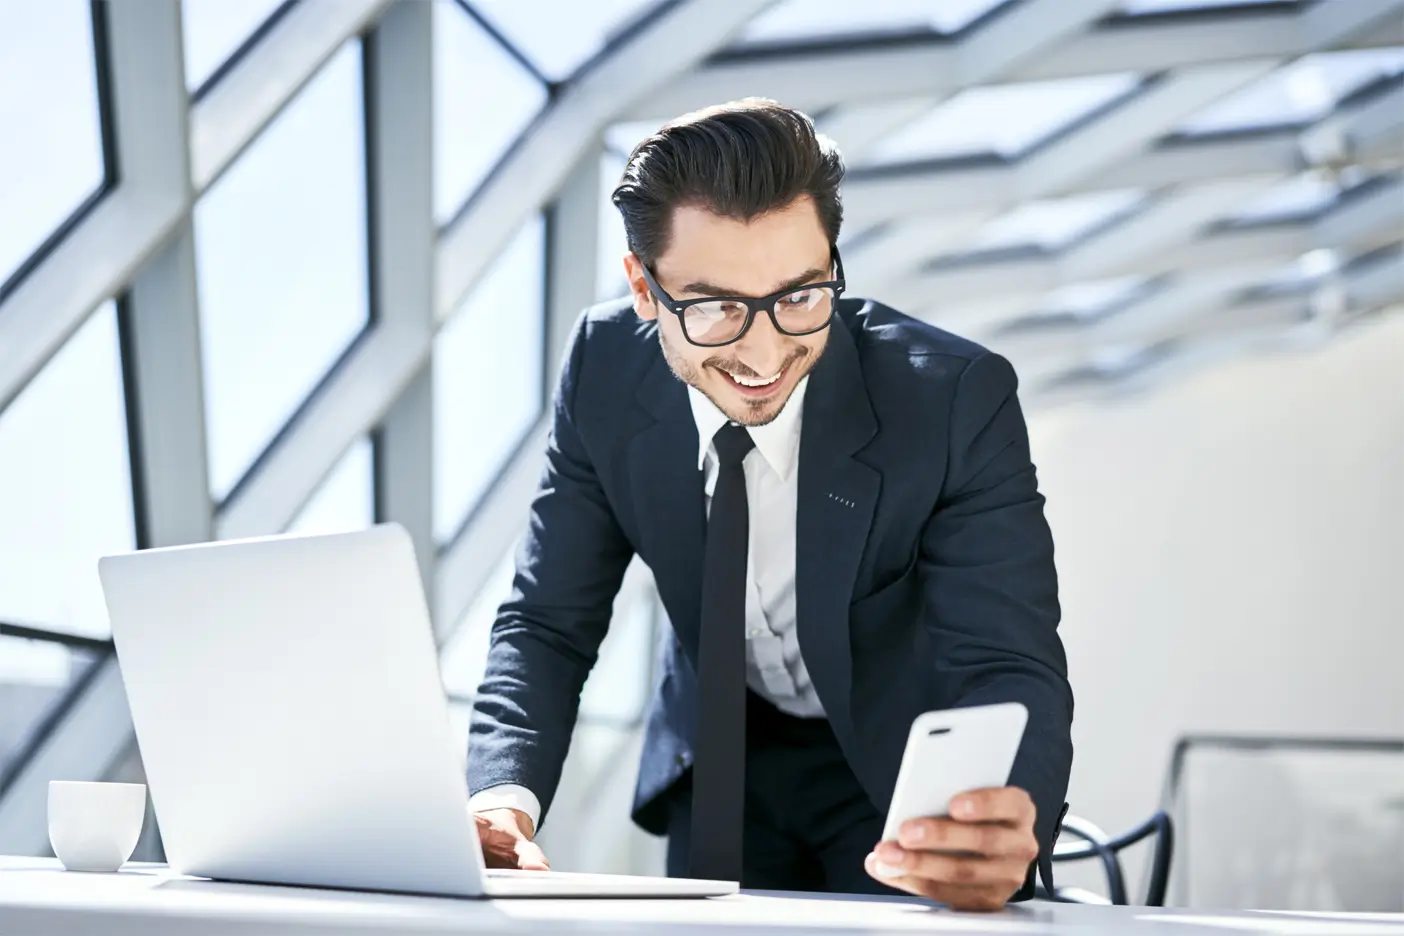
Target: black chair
(1092,842)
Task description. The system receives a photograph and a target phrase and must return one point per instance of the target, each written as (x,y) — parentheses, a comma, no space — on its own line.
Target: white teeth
(747,382)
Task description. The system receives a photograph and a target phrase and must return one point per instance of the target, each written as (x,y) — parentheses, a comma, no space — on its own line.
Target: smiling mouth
(755,387)
(756,382)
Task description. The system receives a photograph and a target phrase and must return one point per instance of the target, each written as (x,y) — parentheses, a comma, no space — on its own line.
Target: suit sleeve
(547,635)
(991,589)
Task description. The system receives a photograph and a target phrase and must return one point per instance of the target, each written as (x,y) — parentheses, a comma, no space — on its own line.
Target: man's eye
(800,299)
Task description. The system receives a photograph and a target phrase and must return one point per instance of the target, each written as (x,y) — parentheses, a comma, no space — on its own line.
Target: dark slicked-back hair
(738,160)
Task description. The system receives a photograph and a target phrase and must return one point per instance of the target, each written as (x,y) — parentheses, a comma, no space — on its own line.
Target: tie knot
(732,442)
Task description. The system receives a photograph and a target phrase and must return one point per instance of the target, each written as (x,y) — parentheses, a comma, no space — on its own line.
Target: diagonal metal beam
(130,224)
(1079,155)
(1363,223)
(993,50)
(356,396)
(844,74)
(1177,217)
(1224,326)
(884,74)
(368,382)
(1201,305)
(874,197)
(1161,315)
(878,197)
(230,116)
(543,159)
(860,127)
(94,262)
(1236,161)
(1131,127)
(1012,290)
(1020,34)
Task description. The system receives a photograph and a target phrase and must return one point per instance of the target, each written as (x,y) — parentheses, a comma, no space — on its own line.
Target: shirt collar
(777,441)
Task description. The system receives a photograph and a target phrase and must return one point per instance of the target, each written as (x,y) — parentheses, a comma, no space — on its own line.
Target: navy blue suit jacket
(924,571)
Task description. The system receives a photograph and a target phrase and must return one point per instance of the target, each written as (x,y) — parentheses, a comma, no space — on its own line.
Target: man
(844,526)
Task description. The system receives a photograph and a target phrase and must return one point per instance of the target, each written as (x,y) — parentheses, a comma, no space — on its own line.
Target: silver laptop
(288,706)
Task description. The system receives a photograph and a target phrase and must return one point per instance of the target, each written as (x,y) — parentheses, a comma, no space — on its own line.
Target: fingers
(1003,804)
(964,870)
(965,897)
(948,835)
(505,846)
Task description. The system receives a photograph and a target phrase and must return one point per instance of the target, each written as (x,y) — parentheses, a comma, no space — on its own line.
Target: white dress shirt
(775,669)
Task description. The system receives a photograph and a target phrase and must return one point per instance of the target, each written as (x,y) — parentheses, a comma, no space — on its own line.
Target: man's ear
(644,304)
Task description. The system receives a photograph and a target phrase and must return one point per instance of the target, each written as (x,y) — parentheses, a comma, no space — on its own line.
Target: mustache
(737,369)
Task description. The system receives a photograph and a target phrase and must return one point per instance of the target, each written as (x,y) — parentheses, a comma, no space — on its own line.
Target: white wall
(1231,554)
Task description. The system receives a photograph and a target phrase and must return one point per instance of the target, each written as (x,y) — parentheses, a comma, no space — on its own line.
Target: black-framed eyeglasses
(712,321)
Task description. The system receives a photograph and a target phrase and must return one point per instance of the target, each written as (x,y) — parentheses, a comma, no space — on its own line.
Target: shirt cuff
(508,796)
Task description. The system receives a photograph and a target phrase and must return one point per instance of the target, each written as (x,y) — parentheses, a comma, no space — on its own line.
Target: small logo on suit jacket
(840,500)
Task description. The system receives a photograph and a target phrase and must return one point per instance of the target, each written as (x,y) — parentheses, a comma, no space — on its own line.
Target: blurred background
(309,265)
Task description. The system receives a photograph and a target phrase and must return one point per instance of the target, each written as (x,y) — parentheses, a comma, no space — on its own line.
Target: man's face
(710,255)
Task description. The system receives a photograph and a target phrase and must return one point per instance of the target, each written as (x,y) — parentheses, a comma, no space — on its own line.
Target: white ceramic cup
(95,826)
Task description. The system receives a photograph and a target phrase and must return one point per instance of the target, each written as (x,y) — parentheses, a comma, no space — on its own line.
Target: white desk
(37,898)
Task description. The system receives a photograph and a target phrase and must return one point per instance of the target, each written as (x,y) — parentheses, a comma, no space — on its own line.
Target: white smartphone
(954,752)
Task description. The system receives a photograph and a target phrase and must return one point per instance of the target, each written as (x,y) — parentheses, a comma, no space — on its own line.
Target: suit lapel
(837,496)
(834,510)
(669,500)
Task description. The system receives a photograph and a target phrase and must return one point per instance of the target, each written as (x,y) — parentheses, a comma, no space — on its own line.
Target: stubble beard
(756,412)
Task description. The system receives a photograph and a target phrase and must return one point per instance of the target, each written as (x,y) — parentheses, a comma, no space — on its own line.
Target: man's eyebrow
(703,288)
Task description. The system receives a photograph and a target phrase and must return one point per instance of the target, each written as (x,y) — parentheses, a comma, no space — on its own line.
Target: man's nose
(762,348)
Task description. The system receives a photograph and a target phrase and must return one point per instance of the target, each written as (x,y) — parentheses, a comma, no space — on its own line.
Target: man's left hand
(975,860)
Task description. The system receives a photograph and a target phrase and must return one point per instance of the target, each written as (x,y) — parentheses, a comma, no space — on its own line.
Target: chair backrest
(1082,840)
(1287,824)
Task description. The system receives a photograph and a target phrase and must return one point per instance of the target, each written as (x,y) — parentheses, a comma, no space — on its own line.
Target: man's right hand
(506,837)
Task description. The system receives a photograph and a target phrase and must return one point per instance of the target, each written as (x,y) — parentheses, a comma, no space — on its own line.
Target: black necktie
(719,770)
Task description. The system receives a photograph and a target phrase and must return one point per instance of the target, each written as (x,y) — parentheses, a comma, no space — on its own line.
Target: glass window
(1054,223)
(808,20)
(610,281)
(281,256)
(483,100)
(618,687)
(213,30)
(51,158)
(1299,93)
(488,377)
(346,499)
(464,657)
(34,675)
(1005,120)
(577,31)
(65,484)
